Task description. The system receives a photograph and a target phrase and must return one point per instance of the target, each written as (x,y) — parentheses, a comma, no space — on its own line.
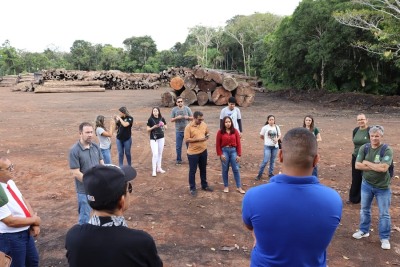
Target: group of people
(311,216)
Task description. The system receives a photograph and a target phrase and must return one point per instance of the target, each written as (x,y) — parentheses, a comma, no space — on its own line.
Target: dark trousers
(356,179)
(201,161)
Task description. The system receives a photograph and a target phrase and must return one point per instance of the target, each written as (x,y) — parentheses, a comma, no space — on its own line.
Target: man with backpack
(375,165)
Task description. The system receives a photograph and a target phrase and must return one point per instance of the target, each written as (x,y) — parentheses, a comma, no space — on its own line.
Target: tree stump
(244,94)
(220,96)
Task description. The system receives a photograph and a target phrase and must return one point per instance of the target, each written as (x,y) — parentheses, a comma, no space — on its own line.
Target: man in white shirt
(234,113)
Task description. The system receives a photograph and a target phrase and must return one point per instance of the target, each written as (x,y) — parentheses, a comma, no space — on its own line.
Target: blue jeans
(383,197)
(124,147)
(106,155)
(179,142)
(230,154)
(201,161)
(270,153)
(21,247)
(83,209)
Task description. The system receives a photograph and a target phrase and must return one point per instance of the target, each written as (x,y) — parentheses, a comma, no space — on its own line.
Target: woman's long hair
(159,113)
(312,122)
(269,116)
(223,128)
(100,122)
(124,110)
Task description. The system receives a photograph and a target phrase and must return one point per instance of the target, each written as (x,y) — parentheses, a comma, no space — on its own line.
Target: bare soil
(37,131)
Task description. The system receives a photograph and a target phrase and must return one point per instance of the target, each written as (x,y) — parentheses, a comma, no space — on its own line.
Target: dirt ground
(37,131)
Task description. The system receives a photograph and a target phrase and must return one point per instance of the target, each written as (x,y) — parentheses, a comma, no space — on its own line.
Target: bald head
(299,149)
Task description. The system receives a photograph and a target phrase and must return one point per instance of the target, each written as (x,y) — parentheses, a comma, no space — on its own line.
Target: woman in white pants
(156,125)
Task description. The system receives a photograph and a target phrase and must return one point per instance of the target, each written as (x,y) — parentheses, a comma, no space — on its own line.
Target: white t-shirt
(234,114)
(11,208)
(105,141)
(269,133)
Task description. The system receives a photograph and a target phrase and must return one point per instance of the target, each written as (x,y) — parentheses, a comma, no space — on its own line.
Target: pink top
(230,140)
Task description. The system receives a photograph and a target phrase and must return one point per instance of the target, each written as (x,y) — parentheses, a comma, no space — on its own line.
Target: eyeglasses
(377,127)
(130,188)
(179,101)
(200,119)
(361,119)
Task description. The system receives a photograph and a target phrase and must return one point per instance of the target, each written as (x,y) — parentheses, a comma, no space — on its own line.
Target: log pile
(200,85)
(22,82)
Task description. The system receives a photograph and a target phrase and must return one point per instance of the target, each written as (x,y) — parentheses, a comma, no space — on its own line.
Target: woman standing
(104,138)
(308,123)
(229,150)
(156,125)
(124,123)
(270,133)
(360,137)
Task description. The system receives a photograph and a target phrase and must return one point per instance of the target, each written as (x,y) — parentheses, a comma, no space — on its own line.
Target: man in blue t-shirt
(294,217)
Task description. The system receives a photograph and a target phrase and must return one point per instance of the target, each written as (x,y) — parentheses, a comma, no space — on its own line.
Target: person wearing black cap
(106,239)
(124,122)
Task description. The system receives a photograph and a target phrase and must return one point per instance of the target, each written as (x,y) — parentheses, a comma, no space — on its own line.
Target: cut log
(176,83)
(206,86)
(213,75)
(59,84)
(189,96)
(190,82)
(199,73)
(244,94)
(202,98)
(220,96)
(42,89)
(168,99)
(229,83)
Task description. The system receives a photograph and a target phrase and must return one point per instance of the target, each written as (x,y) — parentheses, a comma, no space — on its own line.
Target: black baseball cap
(102,181)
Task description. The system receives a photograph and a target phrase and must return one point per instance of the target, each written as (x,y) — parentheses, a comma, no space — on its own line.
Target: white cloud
(36,25)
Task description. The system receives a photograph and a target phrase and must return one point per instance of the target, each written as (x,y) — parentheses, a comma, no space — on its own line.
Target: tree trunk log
(213,75)
(220,96)
(199,73)
(244,94)
(168,99)
(229,83)
(176,83)
(189,96)
(206,86)
(202,98)
(59,84)
(42,89)
(190,82)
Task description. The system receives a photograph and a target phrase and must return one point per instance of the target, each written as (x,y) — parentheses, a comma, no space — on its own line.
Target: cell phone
(207,135)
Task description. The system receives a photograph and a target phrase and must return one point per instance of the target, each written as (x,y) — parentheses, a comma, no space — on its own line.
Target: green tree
(82,55)
(139,49)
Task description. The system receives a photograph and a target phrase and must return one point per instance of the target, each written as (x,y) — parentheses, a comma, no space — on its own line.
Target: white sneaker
(360,234)
(154,174)
(385,244)
(160,170)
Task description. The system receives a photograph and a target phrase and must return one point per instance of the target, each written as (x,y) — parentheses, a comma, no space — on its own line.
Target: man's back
(294,219)
(90,245)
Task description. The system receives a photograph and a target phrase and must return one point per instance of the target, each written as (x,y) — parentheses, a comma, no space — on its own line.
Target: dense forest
(334,45)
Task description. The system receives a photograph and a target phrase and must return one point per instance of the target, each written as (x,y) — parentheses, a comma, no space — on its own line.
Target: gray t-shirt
(234,114)
(83,159)
(180,124)
(105,141)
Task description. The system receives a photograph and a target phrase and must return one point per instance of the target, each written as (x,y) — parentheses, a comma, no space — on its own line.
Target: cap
(102,181)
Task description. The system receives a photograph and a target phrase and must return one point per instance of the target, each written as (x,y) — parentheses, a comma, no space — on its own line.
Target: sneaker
(193,192)
(154,174)
(160,170)
(385,244)
(258,178)
(226,190)
(240,190)
(179,162)
(209,189)
(360,234)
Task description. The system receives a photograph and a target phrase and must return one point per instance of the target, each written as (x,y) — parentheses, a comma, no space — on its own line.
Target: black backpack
(381,155)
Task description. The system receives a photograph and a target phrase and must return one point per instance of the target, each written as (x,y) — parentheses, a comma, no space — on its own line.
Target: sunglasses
(130,188)
(179,101)
(10,167)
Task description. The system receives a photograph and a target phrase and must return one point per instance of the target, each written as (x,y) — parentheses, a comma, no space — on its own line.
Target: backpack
(381,154)
(356,130)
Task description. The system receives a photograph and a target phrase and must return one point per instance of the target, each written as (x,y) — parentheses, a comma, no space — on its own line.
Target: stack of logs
(202,86)
(22,82)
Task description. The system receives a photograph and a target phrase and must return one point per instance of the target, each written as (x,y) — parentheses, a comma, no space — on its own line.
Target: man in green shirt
(375,183)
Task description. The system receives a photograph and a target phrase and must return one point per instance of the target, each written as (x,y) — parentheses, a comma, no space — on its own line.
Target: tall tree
(82,54)
(139,49)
